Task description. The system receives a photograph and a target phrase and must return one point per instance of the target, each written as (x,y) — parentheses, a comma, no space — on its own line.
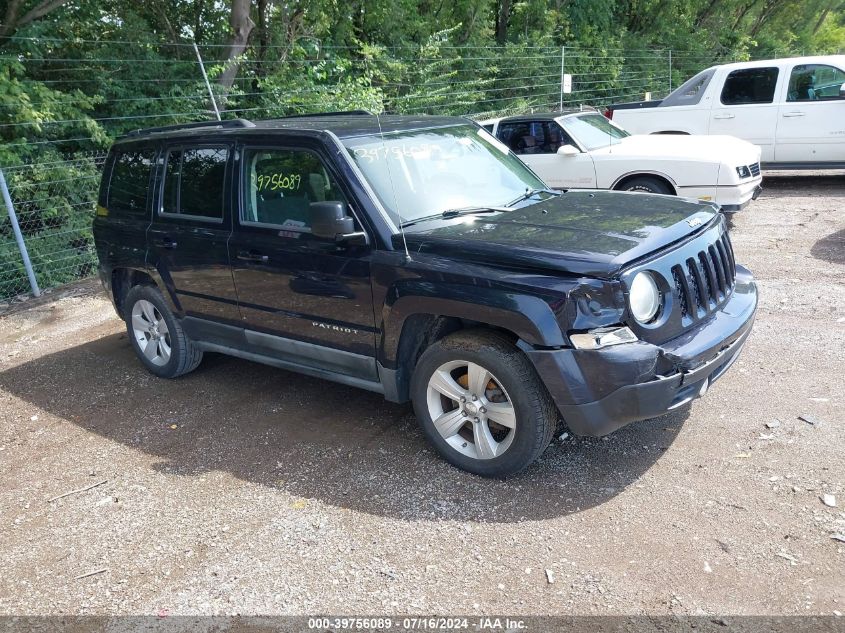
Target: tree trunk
(263,42)
(706,13)
(11,21)
(242,26)
(199,28)
(503,16)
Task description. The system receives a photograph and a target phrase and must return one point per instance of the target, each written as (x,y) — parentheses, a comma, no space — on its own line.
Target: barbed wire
(54,182)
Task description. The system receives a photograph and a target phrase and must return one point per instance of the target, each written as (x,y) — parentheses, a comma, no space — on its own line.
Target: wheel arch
(645,173)
(123,280)
(414,322)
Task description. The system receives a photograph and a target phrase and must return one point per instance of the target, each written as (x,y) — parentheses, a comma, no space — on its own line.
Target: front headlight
(644,297)
(743,172)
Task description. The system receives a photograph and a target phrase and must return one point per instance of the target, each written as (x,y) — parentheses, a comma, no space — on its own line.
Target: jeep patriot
(418,257)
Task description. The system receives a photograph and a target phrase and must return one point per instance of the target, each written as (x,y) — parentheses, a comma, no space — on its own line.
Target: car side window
(194,180)
(815,82)
(750,85)
(691,91)
(280,186)
(523,137)
(130,181)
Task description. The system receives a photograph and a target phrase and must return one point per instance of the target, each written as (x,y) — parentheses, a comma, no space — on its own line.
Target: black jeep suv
(419,258)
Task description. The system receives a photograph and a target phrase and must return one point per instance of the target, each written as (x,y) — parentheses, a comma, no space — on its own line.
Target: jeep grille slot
(682,288)
(703,282)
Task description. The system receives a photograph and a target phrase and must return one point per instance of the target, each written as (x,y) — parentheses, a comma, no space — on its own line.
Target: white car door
(537,144)
(746,107)
(811,126)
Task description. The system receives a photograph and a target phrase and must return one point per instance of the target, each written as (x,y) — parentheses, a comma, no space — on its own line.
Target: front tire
(156,335)
(645,184)
(481,404)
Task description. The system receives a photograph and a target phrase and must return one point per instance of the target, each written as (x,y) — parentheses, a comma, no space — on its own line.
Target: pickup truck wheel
(481,404)
(156,335)
(646,185)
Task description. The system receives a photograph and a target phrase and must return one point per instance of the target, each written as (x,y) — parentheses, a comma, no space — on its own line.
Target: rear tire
(644,184)
(156,335)
(507,418)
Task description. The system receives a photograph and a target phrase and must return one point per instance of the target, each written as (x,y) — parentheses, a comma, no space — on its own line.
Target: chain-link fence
(52,156)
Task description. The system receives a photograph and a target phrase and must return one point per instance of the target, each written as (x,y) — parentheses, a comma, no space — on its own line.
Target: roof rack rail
(229,123)
(321,114)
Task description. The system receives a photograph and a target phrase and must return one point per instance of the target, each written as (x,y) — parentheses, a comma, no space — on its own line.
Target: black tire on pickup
(645,184)
(512,381)
(144,308)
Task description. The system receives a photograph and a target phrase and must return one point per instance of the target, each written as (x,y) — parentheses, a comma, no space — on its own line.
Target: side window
(814,82)
(521,137)
(510,133)
(282,184)
(555,138)
(194,180)
(691,91)
(130,180)
(750,85)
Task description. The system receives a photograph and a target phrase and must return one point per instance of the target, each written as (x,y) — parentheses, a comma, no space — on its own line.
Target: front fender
(529,317)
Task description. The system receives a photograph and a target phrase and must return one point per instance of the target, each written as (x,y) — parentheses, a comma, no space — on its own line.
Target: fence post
(562,71)
(670,70)
(13,218)
(207,85)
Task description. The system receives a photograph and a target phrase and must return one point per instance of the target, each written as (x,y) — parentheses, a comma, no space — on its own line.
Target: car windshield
(593,130)
(420,173)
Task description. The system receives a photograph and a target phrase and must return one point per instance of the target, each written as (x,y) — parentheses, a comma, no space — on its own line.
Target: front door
(811,126)
(301,298)
(537,142)
(187,240)
(746,108)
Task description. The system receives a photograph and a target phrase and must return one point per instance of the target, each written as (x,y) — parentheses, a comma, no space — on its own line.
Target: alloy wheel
(471,410)
(151,332)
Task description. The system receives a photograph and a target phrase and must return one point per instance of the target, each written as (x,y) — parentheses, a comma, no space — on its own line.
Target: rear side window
(691,91)
(194,180)
(750,85)
(130,181)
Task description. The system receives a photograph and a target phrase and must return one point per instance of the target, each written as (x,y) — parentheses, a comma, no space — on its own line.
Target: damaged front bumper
(600,390)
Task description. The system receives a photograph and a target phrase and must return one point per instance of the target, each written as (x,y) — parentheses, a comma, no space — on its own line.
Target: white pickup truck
(793,109)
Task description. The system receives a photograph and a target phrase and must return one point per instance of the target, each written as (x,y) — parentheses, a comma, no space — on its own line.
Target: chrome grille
(755,169)
(702,283)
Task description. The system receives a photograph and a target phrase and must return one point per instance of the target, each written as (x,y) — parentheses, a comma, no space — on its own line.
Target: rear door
(746,107)
(123,209)
(302,298)
(811,126)
(189,234)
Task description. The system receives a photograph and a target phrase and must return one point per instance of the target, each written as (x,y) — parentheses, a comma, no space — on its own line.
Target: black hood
(583,233)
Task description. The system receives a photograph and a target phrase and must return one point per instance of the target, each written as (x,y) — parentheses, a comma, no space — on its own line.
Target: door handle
(792,114)
(252,256)
(165,242)
(724,116)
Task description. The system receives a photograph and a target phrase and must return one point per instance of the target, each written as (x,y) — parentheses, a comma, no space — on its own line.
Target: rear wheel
(481,404)
(156,335)
(645,184)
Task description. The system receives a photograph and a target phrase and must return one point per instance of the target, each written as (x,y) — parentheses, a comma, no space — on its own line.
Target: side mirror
(329,220)
(568,150)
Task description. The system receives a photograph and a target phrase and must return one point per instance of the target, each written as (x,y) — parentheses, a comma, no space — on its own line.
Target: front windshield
(420,173)
(593,130)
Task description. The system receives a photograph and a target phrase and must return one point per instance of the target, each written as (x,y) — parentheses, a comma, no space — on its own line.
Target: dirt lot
(245,489)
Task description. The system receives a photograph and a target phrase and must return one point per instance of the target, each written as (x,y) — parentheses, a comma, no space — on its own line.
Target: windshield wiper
(530,193)
(454,213)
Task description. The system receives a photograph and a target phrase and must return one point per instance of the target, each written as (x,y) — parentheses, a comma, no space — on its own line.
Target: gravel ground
(242,489)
